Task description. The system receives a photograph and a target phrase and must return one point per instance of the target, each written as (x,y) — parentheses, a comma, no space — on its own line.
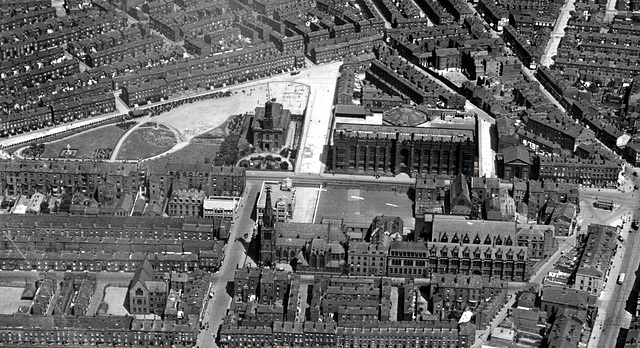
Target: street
(557,34)
(234,257)
(529,74)
(318,120)
(612,301)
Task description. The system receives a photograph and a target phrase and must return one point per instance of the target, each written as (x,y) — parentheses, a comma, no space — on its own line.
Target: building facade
(411,150)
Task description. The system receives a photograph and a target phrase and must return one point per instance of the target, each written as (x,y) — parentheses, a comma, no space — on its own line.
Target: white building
(221,207)
(282,199)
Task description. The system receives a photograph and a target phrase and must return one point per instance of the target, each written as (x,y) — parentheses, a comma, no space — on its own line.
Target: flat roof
(276,194)
(226,203)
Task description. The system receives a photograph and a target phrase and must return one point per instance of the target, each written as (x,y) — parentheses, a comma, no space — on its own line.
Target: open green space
(87,143)
(146,142)
(193,153)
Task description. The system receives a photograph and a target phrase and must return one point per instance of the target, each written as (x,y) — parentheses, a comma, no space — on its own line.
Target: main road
(234,257)
(612,301)
(612,314)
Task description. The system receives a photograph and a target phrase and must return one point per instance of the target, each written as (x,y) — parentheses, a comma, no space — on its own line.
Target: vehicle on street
(621,278)
(605,204)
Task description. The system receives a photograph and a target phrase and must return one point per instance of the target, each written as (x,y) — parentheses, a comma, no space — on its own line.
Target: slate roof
(517,154)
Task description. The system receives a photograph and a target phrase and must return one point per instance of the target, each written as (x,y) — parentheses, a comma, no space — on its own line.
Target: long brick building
(410,150)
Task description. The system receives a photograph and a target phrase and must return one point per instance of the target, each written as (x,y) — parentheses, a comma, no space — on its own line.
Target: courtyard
(114,297)
(11,301)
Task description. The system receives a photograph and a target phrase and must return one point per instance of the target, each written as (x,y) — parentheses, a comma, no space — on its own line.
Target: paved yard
(364,204)
(305,204)
(114,297)
(10,300)
(199,117)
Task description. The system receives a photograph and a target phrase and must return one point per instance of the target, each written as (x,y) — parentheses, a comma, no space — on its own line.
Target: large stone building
(487,248)
(596,259)
(308,247)
(270,127)
(186,203)
(147,291)
(375,149)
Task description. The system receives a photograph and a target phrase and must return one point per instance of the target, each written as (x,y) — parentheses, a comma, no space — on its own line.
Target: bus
(605,204)
(621,278)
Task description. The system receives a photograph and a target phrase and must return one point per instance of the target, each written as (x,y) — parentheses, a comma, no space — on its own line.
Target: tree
(65,203)
(284,165)
(44,207)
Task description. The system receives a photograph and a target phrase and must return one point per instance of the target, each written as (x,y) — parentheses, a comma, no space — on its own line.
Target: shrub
(284,165)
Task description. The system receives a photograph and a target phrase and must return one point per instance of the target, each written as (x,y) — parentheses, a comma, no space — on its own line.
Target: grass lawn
(146,142)
(200,148)
(10,300)
(364,204)
(114,297)
(86,142)
(193,153)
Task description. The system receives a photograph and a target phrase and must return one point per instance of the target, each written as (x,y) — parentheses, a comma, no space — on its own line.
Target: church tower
(266,230)
(267,122)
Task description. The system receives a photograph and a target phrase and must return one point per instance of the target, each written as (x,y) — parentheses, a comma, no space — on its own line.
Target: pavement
(306,203)
(235,257)
(318,120)
(558,33)
(611,11)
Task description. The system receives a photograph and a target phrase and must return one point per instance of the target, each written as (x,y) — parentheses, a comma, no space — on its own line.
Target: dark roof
(404,116)
(516,154)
